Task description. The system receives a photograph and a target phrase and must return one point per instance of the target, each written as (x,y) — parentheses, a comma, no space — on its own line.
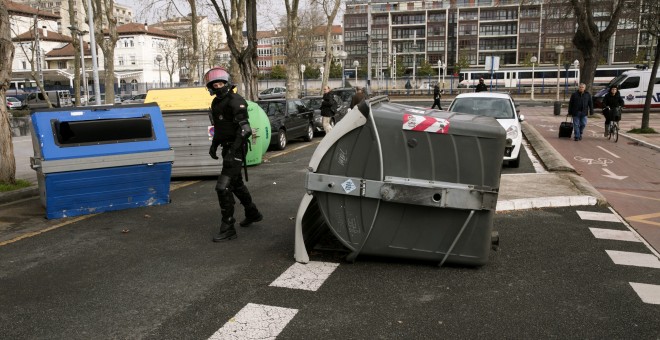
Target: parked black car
(289,119)
(345,93)
(314,102)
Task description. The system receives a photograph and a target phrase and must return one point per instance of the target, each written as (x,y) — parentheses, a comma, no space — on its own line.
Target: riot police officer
(230,121)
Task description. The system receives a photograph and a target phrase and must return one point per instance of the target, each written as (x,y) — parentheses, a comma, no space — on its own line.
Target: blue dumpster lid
(78,132)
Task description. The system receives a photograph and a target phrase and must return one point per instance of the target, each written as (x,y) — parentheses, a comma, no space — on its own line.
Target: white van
(632,87)
(38,101)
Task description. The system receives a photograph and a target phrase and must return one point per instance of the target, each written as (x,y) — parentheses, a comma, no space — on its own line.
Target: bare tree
(588,38)
(7,159)
(330,8)
(292,49)
(104,9)
(246,58)
(169,51)
(30,56)
(651,22)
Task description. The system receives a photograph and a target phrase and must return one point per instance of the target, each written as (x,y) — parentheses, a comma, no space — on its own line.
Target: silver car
(271,93)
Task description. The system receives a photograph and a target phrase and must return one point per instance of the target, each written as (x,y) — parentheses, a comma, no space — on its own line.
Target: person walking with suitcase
(613,104)
(578,107)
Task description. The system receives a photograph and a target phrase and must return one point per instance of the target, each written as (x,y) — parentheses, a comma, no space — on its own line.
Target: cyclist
(613,104)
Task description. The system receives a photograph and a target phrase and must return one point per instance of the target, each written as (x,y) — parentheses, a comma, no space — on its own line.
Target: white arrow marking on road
(613,175)
(607,151)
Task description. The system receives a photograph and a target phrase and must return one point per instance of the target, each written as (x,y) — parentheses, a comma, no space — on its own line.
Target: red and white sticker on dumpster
(425,123)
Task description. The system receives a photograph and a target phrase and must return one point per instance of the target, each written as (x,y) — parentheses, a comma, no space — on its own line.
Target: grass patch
(20,184)
(646,130)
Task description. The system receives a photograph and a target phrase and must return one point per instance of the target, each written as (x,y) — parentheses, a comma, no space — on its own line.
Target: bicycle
(613,127)
(613,131)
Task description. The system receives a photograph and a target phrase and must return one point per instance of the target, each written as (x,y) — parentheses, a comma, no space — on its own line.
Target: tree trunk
(194,60)
(7,159)
(293,86)
(236,22)
(76,47)
(649,90)
(328,40)
(588,68)
(105,8)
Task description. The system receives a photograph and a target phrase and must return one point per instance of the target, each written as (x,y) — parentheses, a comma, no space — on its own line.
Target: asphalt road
(153,273)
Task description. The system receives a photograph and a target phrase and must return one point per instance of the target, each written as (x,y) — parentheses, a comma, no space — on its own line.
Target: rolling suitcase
(565,128)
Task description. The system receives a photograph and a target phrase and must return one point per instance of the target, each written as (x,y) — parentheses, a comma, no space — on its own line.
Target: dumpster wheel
(495,240)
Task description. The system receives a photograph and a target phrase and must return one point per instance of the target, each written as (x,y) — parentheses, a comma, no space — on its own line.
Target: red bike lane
(626,173)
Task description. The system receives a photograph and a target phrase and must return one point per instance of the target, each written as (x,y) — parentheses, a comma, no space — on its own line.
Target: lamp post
(559,49)
(440,71)
(533,60)
(159,58)
(342,57)
(302,79)
(356,64)
(576,63)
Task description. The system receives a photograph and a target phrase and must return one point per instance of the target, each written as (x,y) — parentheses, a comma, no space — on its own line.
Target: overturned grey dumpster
(398,181)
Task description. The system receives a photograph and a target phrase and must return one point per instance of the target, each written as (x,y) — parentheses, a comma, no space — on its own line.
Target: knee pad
(222,185)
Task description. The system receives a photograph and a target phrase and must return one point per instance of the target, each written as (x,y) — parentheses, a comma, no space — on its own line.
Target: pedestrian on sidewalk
(481,87)
(408,86)
(358,96)
(578,107)
(327,111)
(613,104)
(436,97)
(232,129)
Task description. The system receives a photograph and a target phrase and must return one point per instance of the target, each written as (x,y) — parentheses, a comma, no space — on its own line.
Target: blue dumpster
(95,159)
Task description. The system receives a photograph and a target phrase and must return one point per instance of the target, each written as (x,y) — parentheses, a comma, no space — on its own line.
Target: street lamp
(302,81)
(342,57)
(439,72)
(576,63)
(559,49)
(533,60)
(356,64)
(159,58)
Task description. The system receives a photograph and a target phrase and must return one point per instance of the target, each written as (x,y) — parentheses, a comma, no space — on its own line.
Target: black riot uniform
(230,120)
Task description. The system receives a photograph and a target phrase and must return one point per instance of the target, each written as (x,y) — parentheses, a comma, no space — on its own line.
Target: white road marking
(648,293)
(612,175)
(538,167)
(632,230)
(634,259)
(596,216)
(256,322)
(308,276)
(618,235)
(545,202)
(602,148)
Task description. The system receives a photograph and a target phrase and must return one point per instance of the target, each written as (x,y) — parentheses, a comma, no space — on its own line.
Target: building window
(133,61)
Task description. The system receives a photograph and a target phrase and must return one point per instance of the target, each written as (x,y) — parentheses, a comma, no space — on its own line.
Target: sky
(268,11)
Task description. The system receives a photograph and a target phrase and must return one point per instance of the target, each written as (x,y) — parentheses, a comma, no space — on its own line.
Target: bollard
(557,111)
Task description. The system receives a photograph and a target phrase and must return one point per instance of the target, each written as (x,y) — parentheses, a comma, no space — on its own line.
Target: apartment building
(271,47)
(465,32)
(123,14)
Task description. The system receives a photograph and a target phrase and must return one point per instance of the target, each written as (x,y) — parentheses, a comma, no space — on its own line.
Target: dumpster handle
(456,239)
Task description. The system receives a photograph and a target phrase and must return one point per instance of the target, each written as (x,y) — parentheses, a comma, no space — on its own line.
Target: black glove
(213,151)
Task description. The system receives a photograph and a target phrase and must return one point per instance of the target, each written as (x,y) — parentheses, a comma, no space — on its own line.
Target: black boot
(251,216)
(227,231)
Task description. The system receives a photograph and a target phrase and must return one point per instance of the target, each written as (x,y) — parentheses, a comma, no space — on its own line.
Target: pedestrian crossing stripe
(597,216)
(255,321)
(618,235)
(308,276)
(634,259)
(647,292)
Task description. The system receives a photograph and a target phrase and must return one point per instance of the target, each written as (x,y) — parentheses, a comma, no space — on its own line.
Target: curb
(642,142)
(553,161)
(15,195)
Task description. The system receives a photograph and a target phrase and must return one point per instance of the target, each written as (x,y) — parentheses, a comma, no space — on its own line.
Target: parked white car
(501,107)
